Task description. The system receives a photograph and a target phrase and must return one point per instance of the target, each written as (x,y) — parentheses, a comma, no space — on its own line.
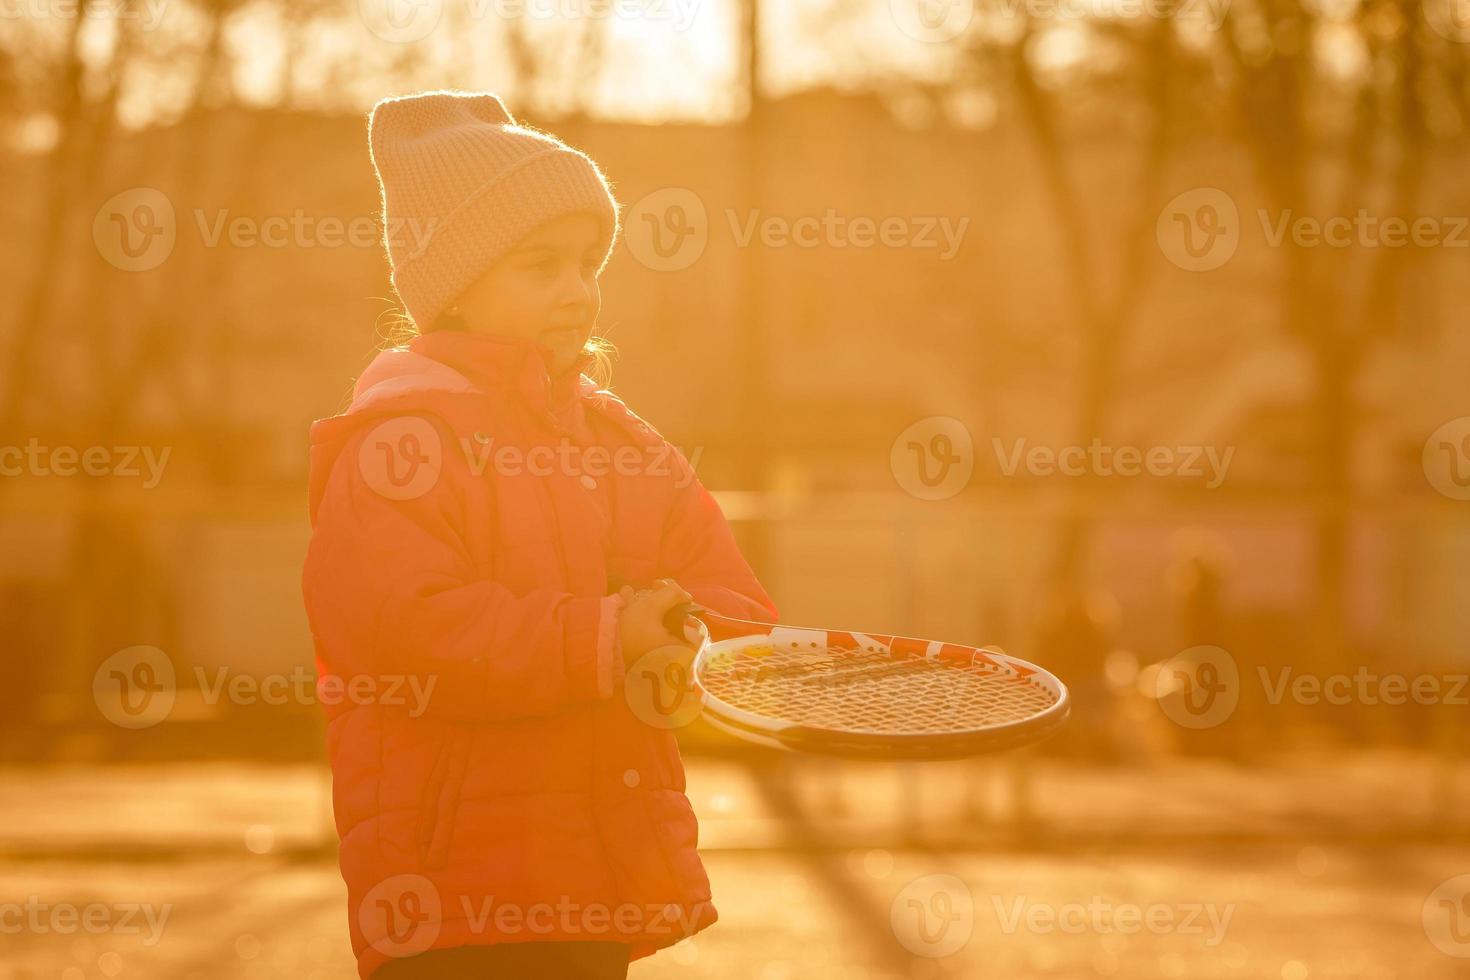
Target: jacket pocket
(440,802)
(675,828)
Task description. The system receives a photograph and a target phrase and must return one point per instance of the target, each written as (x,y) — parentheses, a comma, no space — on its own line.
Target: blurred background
(1128,336)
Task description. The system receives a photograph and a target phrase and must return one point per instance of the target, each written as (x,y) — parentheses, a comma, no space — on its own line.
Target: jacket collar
(509,365)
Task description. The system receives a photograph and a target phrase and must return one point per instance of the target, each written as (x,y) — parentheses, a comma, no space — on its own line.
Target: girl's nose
(575,287)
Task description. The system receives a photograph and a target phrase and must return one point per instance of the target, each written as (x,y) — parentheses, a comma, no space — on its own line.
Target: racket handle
(674,619)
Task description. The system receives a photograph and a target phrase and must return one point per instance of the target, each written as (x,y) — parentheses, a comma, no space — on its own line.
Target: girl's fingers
(672,595)
(665,582)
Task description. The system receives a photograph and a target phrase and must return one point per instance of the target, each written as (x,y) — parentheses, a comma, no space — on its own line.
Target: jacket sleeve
(393,592)
(698,551)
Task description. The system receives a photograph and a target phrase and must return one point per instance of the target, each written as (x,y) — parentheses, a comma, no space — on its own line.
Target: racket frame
(735,635)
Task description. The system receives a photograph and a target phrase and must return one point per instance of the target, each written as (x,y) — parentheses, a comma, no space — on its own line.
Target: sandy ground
(1183,869)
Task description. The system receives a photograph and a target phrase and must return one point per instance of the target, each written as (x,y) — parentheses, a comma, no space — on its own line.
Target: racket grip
(675,617)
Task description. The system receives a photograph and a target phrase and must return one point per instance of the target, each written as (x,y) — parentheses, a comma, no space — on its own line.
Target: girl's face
(544,289)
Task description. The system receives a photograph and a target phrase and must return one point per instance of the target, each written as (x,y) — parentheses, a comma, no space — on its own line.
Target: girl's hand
(641,625)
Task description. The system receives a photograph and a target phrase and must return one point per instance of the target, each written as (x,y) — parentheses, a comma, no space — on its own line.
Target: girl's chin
(564,354)
(561,339)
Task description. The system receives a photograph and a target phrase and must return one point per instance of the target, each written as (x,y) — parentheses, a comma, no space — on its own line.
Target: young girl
(495,543)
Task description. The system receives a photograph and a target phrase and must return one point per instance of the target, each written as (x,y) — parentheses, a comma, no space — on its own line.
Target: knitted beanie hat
(456,169)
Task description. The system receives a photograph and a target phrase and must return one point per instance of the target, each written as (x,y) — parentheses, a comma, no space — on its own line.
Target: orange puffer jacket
(473,517)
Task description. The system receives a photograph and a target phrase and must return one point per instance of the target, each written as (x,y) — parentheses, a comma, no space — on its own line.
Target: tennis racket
(839,692)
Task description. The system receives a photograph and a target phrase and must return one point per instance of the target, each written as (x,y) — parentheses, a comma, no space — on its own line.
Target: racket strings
(872,691)
(830,671)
